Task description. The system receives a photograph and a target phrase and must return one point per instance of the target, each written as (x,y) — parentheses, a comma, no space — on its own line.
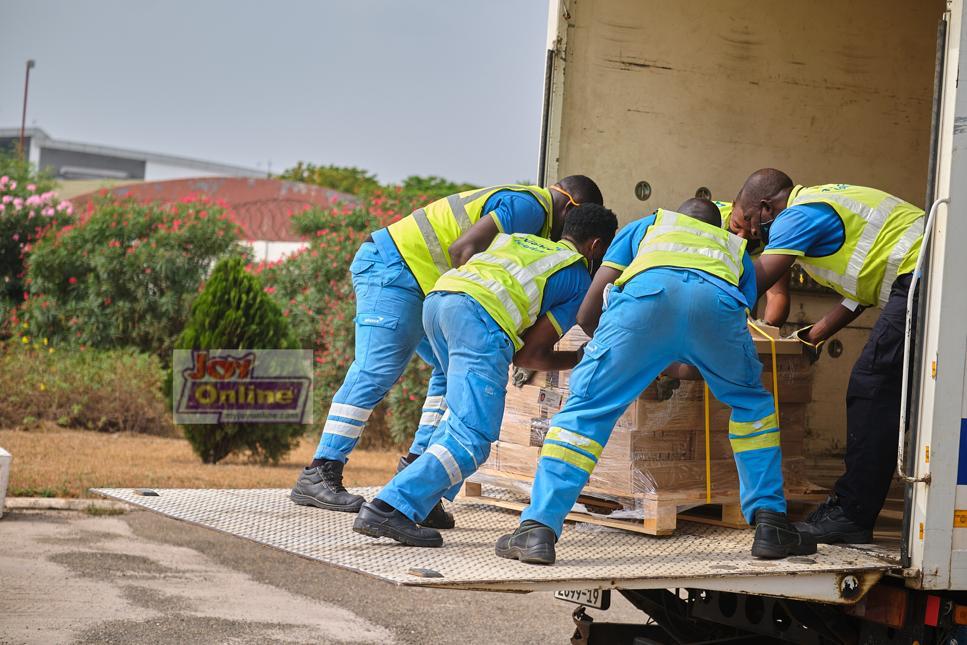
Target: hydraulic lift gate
(697,556)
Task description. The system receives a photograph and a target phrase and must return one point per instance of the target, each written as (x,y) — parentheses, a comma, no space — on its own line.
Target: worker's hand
(813,350)
(522,376)
(666,386)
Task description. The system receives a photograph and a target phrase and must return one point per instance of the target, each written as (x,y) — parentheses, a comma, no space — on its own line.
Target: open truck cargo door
(697,556)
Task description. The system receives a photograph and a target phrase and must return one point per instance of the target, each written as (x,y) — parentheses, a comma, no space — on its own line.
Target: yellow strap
(775,369)
(708,455)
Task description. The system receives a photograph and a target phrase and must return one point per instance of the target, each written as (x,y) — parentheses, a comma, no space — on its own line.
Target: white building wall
(266,251)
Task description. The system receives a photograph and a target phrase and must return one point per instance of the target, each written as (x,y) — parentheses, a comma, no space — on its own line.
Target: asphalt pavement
(69,577)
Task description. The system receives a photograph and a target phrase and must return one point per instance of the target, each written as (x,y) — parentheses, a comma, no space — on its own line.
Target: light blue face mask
(764,231)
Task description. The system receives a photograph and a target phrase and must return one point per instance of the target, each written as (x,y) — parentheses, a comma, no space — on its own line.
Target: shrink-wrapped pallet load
(656,456)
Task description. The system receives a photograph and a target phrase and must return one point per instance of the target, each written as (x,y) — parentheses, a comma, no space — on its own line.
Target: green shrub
(126,274)
(107,391)
(28,208)
(234,312)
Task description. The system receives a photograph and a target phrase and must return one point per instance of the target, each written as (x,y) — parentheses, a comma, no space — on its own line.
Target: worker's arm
(590,312)
(476,239)
(834,320)
(777,302)
(770,268)
(538,350)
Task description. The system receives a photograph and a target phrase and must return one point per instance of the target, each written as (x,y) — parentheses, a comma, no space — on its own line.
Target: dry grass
(65,463)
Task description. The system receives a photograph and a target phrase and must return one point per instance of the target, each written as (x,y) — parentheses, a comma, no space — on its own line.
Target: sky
(443,87)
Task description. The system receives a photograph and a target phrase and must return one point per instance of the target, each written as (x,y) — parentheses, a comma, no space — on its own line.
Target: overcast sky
(444,87)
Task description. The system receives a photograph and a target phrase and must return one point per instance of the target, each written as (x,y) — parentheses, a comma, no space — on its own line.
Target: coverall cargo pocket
(482,405)
(589,369)
(633,309)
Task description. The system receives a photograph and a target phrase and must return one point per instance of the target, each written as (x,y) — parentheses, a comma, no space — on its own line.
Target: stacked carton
(658,448)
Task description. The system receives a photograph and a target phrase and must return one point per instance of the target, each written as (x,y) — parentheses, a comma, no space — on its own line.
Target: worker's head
(703,210)
(568,194)
(764,195)
(591,228)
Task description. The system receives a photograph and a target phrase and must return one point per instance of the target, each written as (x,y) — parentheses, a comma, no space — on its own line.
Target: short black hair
(763,184)
(582,189)
(588,221)
(703,210)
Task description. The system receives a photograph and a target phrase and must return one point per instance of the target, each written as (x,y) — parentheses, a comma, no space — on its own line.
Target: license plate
(597,598)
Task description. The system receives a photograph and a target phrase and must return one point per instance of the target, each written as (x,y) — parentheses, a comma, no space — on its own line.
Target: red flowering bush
(315,291)
(125,274)
(28,208)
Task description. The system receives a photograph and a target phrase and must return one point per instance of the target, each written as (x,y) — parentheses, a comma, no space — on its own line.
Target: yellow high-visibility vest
(882,236)
(508,279)
(677,240)
(725,208)
(424,237)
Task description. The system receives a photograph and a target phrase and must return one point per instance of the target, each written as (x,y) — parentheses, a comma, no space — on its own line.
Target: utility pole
(23,118)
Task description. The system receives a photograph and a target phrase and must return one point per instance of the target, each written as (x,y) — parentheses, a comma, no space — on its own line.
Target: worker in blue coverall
(391,273)
(683,298)
(510,303)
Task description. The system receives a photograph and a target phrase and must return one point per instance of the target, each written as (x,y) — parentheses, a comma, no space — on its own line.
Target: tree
(234,312)
(346,179)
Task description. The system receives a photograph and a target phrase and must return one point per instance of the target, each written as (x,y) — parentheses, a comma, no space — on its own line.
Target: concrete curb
(63,504)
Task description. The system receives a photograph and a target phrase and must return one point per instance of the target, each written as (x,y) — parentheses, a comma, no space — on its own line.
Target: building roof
(204,167)
(262,206)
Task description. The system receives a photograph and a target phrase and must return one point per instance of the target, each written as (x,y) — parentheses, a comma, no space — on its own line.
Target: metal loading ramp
(697,556)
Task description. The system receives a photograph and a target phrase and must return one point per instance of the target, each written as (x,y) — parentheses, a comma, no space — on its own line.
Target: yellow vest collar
(793,194)
(569,244)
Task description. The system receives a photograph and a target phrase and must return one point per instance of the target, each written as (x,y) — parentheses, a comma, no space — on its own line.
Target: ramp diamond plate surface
(588,556)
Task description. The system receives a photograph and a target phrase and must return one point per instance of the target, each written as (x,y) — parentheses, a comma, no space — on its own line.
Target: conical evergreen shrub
(234,312)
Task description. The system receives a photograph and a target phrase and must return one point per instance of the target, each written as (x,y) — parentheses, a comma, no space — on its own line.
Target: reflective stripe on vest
(678,240)
(508,278)
(880,232)
(424,237)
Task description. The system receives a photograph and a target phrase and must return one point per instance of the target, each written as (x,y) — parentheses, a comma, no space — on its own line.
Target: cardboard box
(657,447)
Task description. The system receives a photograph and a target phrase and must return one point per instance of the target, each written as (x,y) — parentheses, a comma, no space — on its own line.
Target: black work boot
(376,523)
(532,543)
(776,538)
(322,487)
(828,524)
(438,517)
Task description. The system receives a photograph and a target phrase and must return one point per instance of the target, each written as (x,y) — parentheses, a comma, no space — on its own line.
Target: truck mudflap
(589,557)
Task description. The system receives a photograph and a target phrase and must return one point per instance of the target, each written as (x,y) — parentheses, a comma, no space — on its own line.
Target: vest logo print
(216,386)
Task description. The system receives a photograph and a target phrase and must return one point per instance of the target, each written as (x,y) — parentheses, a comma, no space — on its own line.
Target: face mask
(764,231)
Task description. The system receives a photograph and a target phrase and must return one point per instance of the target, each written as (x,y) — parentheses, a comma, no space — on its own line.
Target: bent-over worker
(863,243)
(512,302)
(391,273)
(683,297)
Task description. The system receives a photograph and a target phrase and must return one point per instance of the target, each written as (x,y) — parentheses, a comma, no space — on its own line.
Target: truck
(659,101)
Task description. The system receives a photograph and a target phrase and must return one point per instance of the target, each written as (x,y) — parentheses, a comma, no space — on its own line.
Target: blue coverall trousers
(389,329)
(658,317)
(475,354)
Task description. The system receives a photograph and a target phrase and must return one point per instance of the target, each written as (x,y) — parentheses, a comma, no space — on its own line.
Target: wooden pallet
(661,517)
